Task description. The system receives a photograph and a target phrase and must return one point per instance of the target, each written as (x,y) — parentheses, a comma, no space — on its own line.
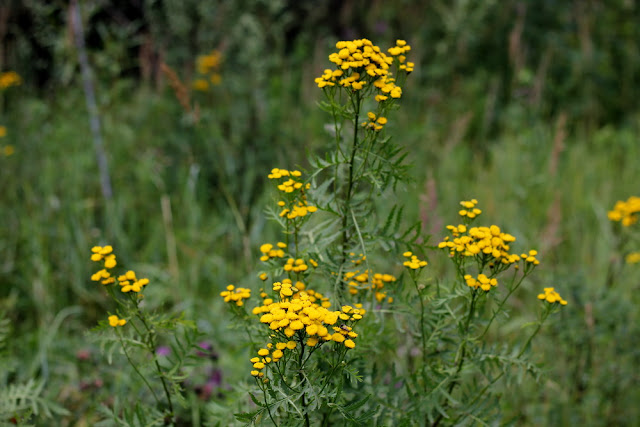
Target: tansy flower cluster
(469,209)
(627,212)
(413,262)
(357,281)
(551,296)
(314,297)
(305,320)
(375,123)
(482,281)
(296,265)
(115,321)
(296,205)
(106,255)
(399,51)
(269,251)
(8,79)
(360,65)
(207,66)
(128,282)
(479,241)
(486,245)
(236,295)
(298,320)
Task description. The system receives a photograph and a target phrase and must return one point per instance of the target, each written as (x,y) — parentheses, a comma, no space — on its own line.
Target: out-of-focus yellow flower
(8,79)
(633,258)
(201,85)
(208,69)
(551,296)
(626,212)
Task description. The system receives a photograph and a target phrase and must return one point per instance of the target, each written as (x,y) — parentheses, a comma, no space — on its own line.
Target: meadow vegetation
(448,239)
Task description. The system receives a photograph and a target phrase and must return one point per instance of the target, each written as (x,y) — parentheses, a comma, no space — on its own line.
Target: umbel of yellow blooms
(413,263)
(236,295)
(469,209)
(115,321)
(130,283)
(627,212)
(296,265)
(551,296)
(480,241)
(482,282)
(298,318)
(296,205)
(360,64)
(357,281)
(375,123)
(300,314)
(104,253)
(270,252)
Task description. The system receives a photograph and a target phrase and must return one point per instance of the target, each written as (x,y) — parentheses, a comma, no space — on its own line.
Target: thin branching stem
(135,368)
(356,101)
(522,350)
(423,333)
(302,378)
(462,352)
(500,305)
(151,345)
(266,403)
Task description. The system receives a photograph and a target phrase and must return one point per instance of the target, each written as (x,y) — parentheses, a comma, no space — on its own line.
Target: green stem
(151,345)
(499,308)
(350,182)
(266,404)
(135,368)
(302,381)
(462,352)
(522,350)
(422,330)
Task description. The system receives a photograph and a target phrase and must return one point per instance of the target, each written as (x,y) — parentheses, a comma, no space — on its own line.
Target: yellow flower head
(633,258)
(413,263)
(8,79)
(115,321)
(469,209)
(360,64)
(236,295)
(551,296)
(626,212)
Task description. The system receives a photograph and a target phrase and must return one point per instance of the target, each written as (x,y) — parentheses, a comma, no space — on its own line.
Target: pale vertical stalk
(90,98)
(172,252)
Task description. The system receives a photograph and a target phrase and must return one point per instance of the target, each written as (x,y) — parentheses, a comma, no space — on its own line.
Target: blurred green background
(529,106)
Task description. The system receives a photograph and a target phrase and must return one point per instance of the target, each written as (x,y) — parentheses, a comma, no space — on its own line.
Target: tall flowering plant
(137,333)
(302,357)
